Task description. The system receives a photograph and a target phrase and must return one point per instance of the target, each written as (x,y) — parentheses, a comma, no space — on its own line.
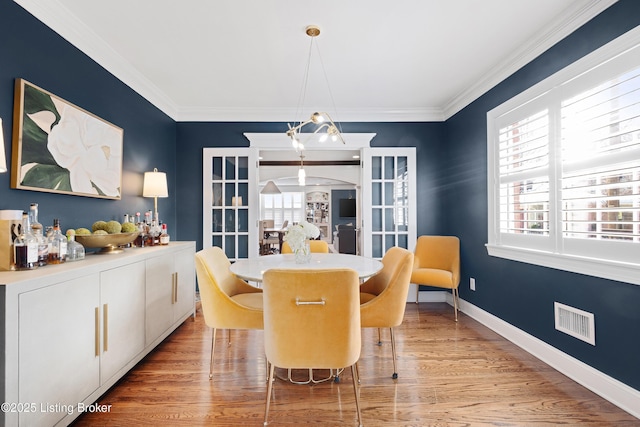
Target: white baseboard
(429,296)
(616,392)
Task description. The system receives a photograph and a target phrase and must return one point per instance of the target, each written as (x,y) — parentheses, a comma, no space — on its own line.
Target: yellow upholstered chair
(437,263)
(316,246)
(383,297)
(227,301)
(311,320)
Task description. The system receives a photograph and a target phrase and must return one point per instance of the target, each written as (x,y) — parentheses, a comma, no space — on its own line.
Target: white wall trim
(282,141)
(614,391)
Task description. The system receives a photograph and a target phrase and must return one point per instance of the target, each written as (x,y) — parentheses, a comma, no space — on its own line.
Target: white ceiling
(244,60)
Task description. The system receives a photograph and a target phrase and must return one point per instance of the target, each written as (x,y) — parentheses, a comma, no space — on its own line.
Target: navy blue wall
(523,294)
(31,51)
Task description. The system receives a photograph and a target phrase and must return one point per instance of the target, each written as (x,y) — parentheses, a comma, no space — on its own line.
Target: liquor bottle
(164,236)
(75,250)
(25,247)
(57,245)
(155,232)
(37,231)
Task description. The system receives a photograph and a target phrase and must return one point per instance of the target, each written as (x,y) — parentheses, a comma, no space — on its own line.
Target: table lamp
(155,185)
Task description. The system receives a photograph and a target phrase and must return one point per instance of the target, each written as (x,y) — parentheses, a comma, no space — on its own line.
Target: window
(281,207)
(564,167)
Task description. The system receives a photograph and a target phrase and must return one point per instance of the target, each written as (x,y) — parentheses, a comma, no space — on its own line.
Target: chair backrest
(391,287)
(217,285)
(439,252)
(312,318)
(316,246)
(267,223)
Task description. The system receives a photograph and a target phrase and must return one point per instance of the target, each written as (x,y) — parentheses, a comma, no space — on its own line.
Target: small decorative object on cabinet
(318,213)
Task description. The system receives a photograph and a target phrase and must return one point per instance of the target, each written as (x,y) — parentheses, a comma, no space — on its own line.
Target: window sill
(619,271)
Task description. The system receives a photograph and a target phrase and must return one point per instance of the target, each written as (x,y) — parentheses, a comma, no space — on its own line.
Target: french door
(388,199)
(230,200)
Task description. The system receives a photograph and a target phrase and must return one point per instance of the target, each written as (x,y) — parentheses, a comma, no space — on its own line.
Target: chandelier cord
(326,80)
(305,81)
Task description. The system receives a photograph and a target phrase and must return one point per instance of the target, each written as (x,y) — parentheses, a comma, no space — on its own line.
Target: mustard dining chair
(383,297)
(437,264)
(227,301)
(316,246)
(311,320)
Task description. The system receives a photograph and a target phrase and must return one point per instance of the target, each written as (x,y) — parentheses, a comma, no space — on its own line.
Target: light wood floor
(450,374)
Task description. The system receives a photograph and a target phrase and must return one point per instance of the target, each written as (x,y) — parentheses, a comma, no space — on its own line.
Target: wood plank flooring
(450,374)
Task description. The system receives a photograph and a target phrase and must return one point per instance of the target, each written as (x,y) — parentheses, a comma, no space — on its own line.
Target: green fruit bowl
(109,243)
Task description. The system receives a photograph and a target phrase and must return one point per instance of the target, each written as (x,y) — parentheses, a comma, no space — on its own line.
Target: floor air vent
(577,323)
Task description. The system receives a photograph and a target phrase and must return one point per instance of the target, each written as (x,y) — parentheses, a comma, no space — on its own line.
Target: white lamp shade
(270,188)
(3,159)
(155,184)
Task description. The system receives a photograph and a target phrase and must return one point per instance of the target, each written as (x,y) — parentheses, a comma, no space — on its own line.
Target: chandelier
(322,121)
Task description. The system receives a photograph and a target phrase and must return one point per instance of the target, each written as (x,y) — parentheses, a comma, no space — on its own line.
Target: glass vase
(303,254)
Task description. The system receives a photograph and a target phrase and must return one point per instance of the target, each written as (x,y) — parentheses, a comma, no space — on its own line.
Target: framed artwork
(61,148)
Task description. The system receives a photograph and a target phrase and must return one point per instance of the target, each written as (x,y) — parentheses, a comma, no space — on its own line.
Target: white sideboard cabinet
(70,331)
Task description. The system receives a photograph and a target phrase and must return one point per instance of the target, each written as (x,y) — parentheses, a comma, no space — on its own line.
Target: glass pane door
(389,174)
(228,191)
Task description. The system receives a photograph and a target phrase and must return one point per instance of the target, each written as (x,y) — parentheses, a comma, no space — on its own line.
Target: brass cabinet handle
(97,331)
(176,286)
(173,288)
(105,331)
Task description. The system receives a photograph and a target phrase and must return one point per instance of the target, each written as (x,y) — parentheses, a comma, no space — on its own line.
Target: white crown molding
(53,14)
(196,114)
(57,17)
(568,22)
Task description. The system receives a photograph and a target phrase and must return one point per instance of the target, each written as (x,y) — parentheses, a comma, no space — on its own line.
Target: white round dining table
(252,269)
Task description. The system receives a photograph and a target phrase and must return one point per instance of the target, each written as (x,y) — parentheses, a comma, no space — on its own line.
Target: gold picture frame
(58,147)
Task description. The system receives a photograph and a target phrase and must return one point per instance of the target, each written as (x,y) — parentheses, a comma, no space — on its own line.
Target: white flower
(297,234)
(89,149)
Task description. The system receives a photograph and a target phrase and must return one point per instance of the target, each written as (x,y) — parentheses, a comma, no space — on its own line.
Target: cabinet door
(122,299)
(59,347)
(184,301)
(159,295)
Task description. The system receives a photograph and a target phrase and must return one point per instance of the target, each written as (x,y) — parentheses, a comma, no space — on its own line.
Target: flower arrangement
(298,234)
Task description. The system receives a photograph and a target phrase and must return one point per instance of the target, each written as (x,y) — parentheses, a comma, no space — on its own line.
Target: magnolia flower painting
(64,149)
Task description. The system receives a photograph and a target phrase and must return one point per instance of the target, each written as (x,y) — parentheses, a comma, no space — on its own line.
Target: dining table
(252,269)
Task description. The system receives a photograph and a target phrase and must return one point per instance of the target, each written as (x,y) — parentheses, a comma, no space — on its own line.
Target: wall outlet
(472,283)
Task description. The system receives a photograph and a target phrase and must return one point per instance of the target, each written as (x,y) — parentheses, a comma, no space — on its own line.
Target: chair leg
(379,337)
(456,303)
(354,375)
(213,347)
(393,353)
(269,387)
(417,293)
